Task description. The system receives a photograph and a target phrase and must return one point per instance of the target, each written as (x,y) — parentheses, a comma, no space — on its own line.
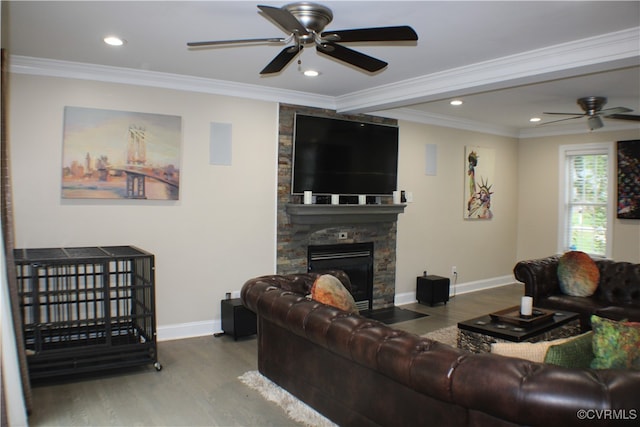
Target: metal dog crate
(86,309)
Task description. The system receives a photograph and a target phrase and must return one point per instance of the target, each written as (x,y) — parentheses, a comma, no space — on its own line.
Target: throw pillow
(328,289)
(533,351)
(616,345)
(578,274)
(575,353)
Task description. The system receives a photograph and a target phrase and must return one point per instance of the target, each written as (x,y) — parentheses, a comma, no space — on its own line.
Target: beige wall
(538,197)
(222,230)
(432,233)
(219,234)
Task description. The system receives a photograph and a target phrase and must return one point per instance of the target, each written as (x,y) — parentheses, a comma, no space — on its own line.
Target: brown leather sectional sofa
(617,296)
(360,372)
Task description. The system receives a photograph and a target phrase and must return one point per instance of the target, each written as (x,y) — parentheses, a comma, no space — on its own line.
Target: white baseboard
(188,330)
(462,288)
(209,327)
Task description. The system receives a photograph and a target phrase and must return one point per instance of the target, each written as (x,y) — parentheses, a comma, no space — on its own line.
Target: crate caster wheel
(158,366)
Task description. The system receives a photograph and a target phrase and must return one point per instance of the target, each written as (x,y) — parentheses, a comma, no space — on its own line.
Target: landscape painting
(111,154)
(629,179)
(479,180)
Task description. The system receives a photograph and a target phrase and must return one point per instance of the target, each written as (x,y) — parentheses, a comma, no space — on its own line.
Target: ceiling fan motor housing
(592,104)
(313,16)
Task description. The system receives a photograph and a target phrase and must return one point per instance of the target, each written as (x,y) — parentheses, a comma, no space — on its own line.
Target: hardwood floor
(199,386)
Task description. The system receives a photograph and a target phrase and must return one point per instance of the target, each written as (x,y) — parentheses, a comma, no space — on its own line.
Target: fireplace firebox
(355,259)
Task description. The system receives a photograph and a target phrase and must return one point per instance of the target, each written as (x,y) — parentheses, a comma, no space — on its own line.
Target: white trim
(188,330)
(83,71)
(607,51)
(209,327)
(462,288)
(593,54)
(563,151)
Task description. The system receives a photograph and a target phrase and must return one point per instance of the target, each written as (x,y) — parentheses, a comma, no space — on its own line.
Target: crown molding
(83,71)
(608,51)
(423,117)
(594,54)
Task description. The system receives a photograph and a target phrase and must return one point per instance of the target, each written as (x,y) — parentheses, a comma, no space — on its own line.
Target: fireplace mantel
(342,214)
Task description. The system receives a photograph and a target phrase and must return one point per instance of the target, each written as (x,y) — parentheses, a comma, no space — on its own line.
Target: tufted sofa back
(619,283)
(323,353)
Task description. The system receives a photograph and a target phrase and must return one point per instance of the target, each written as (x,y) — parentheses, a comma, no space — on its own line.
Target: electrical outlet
(342,235)
(454,269)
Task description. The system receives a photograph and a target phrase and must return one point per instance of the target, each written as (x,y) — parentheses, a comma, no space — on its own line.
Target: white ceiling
(508,60)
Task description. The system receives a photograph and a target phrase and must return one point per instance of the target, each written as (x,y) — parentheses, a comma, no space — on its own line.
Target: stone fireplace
(301,226)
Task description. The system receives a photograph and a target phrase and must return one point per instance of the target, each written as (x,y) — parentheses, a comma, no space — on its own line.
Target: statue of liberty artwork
(479,171)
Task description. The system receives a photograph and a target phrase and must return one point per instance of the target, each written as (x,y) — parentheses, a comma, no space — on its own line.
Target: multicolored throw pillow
(616,345)
(328,289)
(578,274)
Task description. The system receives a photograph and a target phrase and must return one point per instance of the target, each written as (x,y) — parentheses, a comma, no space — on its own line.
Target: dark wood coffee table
(479,333)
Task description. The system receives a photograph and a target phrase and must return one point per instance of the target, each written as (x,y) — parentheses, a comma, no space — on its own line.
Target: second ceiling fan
(305,22)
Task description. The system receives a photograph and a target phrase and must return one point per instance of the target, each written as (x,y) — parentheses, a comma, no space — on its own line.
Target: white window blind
(587,188)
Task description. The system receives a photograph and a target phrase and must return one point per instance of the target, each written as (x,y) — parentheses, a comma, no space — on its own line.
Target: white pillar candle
(335,199)
(396,197)
(308,197)
(526,306)
(362,199)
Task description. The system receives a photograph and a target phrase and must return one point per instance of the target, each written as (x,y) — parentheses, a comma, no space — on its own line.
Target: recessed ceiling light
(535,119)
(456,102)
(113,41)
(311,73)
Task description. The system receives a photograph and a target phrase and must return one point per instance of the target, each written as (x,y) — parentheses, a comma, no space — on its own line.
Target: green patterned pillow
(578,274)
(574,353)
(616,345)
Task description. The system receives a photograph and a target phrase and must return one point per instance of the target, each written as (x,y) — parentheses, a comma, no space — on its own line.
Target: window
(586,194)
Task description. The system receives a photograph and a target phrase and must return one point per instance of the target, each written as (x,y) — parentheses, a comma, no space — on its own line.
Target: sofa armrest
(540,277)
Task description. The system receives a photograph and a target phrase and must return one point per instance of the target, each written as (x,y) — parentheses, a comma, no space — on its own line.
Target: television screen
(336,156)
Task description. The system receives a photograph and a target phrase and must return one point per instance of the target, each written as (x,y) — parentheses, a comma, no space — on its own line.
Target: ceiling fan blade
(566,114)
(623,117)
(285,19)
(285,56)
(378,34)
(616,110)
(239,41)
(561,120)
(351,56)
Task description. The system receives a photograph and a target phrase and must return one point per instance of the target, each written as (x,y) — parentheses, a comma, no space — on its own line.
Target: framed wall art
(629,179)
(111,154)
(479,180)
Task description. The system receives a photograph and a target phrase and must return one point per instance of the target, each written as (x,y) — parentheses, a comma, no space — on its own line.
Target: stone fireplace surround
(369,223)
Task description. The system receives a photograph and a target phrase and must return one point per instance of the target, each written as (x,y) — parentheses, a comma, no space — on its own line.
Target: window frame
(563,200)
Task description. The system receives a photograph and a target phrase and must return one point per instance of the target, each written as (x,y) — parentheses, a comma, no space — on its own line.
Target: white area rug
(294,408)
(448,335)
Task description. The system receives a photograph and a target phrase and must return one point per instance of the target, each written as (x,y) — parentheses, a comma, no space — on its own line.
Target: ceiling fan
(592,106)
(305,22)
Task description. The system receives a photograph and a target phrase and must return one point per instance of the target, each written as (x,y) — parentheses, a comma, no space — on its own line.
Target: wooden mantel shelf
(342,214)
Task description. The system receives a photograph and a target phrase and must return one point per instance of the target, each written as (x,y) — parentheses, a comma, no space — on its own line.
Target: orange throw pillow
(328,289)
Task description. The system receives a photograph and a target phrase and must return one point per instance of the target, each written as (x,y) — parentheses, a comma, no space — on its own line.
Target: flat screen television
(337,156)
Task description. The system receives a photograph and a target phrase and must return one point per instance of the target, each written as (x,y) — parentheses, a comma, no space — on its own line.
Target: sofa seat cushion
(576,304)
(625,312)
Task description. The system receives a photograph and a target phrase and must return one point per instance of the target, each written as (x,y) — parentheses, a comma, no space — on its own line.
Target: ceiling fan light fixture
(113,41)
(595,122)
